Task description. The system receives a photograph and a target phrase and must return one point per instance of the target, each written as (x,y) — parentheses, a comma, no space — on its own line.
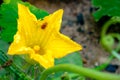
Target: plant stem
(118,47)
(115,35)
(115,54)
(105,27)
(79,70)
(12,67)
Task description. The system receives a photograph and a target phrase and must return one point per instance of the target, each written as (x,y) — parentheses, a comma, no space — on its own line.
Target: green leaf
(106,8)
(4,46)
(9,16)
(73,58)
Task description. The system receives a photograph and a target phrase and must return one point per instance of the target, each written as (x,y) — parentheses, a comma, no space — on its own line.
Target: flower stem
(80,70)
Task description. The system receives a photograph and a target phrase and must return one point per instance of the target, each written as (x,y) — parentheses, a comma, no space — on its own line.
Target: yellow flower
(41,39)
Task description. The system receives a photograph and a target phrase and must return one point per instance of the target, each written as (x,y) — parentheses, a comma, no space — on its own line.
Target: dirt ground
(79,25)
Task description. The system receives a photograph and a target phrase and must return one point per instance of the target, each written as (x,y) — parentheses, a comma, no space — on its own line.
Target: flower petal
(27,23)
(45,60)
(54,20)
(62,45)
(17,46)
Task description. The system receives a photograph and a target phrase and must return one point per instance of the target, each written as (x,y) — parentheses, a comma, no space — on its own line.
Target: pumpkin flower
(41,39)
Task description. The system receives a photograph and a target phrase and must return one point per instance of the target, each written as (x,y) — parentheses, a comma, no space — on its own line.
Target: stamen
(36,48)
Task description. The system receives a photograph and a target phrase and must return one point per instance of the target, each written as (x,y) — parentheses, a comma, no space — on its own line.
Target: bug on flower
(44,25)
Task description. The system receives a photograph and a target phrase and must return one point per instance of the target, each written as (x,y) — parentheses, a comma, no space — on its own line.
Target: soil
(79,25)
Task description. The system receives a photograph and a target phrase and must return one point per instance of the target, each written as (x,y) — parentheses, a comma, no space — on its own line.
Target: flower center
(36,48)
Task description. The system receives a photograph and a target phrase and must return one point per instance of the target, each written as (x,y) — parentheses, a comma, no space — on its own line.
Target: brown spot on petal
(44,25)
